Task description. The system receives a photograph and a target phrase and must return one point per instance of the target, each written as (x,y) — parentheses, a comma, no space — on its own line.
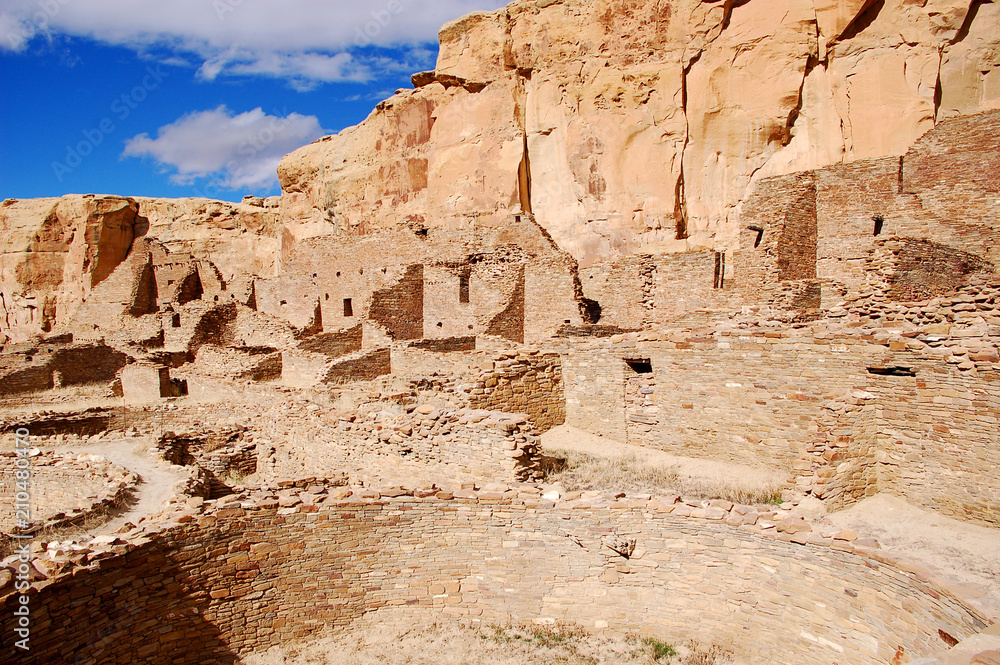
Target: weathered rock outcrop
(239,238)
(54,252)
(639,127)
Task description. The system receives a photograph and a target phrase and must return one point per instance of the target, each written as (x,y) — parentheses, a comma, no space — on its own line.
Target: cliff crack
(524,178)
(864,19)
(970,18)
(680,194)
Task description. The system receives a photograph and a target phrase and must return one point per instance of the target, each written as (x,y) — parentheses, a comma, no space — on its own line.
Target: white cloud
(237,151)
(292,39)
(296,67)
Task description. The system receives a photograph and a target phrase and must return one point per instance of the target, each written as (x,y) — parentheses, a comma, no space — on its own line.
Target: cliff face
(54,252)
(631,127)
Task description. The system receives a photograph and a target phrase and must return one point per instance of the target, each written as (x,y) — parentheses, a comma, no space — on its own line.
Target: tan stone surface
(635,127)
(53,252)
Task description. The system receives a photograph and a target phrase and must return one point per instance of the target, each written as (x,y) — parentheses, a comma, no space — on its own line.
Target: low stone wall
(480,443)
(361,367)
(525,382)
(304,369)
(88,422)
(51,365)
(253,572)
(447,345)
(912,269)
(335,344)
(220,456)
(250,363)
(66,490)
(457,443)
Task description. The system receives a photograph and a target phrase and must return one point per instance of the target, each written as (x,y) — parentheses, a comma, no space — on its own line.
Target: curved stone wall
(66,489)
(241,577)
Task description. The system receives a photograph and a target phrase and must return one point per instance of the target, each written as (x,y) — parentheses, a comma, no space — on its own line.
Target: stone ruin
(349,389)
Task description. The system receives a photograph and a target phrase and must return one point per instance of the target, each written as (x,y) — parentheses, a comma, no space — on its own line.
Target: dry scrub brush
(631,473)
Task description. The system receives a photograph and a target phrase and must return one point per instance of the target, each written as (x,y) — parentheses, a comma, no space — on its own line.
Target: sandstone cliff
(628,126)
(54,252)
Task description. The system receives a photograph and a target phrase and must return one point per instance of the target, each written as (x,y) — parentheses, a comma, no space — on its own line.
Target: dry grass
(389,642)
(631,473)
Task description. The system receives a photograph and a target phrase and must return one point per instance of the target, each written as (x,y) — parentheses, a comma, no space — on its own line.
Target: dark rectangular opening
(879,224)
(463,290)
(640,365)
(348,307)
(760,235)
(720,270)
(892,371)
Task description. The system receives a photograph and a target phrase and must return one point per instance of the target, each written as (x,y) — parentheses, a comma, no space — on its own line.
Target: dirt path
(702,470)
(157,478)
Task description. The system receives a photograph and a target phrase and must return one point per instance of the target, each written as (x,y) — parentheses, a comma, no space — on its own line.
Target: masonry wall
(253,363)
(334,344)
(778,238)
(328,270)
(941,431)
(445,314)
(842,459)
(624,289)
(446,345)
(689,281)
(550,299)
(528,383)
(916,270)
(490,286)
(943,190)
(595,385)
(419,362)
(400,308)
(509,323)
(70,365)
(932,438)
(367,366)
(437,441)
(73,423)
(848,197)
(239,581)
(637,291)
(33,377)
(951,182)
(142,384)
(65,489)
(750,400)
(301,369)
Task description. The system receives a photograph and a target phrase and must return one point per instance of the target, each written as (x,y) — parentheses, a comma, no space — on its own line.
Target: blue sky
(194,97)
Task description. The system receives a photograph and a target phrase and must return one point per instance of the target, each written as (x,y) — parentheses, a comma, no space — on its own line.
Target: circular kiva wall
(65,489)
(239,580)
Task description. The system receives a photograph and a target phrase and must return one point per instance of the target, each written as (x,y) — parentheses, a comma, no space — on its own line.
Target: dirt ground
(384,638)
(963,552)
(695,476)
(156,479)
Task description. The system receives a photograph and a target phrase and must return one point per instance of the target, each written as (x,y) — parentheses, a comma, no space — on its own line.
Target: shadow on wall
(148,611)
(238,582)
